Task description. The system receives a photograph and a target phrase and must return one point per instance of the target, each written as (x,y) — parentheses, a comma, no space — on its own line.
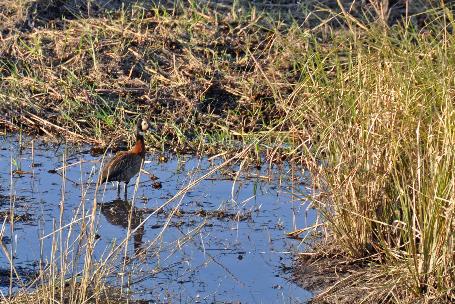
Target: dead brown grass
(210,75)
(200,76)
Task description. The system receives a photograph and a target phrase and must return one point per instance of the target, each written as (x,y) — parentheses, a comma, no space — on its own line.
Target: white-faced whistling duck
(126,164)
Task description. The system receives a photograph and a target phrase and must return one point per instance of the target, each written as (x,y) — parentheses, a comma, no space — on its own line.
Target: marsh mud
(223,241)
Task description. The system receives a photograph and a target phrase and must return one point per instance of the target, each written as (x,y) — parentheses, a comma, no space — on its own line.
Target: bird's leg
(126,191)
(118,189)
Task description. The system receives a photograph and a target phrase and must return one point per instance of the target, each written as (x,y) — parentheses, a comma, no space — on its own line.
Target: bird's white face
(144,125)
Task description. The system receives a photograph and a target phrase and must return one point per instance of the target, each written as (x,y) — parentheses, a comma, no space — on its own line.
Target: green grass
(368,108)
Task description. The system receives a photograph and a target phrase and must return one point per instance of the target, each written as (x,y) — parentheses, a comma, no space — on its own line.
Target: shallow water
(225,242)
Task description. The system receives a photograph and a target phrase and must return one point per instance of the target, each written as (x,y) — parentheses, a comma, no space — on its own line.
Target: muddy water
(225,240)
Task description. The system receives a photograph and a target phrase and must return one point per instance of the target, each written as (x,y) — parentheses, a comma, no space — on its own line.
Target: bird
(126,164)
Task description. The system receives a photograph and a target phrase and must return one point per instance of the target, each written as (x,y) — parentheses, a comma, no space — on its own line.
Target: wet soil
(334,278)
(319,274)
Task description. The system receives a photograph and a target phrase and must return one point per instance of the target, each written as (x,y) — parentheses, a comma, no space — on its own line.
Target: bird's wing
(114,166)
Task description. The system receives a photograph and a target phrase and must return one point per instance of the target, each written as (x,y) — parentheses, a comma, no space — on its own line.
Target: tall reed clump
(381,105)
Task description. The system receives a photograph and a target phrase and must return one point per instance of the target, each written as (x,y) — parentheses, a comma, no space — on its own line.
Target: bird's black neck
(139,136)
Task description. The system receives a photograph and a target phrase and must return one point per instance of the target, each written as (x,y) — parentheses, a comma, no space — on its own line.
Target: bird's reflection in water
(118,213)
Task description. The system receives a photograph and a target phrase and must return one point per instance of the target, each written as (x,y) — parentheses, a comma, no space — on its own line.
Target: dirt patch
(208,214)
(24,274)
(25,217)
(218,101)
(323,274)
(337,279)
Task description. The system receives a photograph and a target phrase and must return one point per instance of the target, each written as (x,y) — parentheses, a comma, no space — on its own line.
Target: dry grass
(203,77)
(386,138)
(212,76)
